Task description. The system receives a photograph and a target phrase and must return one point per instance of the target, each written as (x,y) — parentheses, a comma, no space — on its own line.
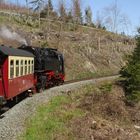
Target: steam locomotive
(28,70)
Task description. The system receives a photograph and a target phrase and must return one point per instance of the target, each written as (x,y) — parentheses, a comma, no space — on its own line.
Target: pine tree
(44,13)
(69,17)
(88,16)
(48,11)
(131,73)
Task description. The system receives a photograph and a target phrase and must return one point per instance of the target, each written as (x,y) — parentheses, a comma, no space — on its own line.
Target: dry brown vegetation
(88,51)
(107,115)
(13,7)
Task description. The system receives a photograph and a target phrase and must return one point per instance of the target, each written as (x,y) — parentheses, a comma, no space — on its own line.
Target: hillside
(87,51)
(92,112)
(89,109)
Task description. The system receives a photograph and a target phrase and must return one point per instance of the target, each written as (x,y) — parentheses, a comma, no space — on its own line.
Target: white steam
(6,33)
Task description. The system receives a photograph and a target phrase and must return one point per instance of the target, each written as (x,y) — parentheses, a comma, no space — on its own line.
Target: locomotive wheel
(57,83)
(40,90)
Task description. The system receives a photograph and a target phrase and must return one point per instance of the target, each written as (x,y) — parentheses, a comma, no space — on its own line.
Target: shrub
(131,73)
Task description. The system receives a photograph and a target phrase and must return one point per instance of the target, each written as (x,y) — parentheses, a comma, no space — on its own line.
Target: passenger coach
(16,72)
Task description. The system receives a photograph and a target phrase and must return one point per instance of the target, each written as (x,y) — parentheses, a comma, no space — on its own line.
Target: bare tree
(62,10)
(28,10)
(49,9)
(99,20)
(2,1)
(125,24)
(77,13)
(27,6)
(37,6)
(112,16)
(69,17)
(4,4)
(113,19)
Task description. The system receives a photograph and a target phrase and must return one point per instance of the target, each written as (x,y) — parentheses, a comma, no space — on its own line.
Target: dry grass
(87,52)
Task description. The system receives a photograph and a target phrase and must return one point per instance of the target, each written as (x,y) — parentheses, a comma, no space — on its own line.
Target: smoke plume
(7,34)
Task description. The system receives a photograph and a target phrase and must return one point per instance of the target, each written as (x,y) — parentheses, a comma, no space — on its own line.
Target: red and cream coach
(16,72)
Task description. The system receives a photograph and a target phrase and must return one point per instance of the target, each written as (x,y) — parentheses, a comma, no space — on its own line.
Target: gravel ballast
(13,121)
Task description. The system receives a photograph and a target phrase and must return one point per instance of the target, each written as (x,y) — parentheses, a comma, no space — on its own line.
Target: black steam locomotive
(48,66)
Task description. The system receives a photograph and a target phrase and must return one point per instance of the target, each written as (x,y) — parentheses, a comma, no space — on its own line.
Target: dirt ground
(107,117)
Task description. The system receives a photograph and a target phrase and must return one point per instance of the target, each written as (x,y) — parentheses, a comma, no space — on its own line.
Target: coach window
(25,67)
(32,66)
(17,68)
(12,69)
(29,67)
(21,67)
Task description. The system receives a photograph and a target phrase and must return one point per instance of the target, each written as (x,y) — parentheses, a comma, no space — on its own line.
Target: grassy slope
(50,120)
(87,51)
(80,115)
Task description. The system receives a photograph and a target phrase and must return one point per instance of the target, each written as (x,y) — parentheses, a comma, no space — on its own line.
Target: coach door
(3,75)
(1,80)
(1,63)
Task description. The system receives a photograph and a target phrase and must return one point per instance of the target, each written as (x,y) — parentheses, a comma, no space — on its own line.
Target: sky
(130,8)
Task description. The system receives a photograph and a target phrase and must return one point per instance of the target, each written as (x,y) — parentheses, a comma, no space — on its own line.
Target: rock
(94,125)
(103,124)
(137,127)
(92,137)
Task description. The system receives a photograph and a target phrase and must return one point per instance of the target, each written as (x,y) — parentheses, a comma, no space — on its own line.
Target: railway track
(84,79)
(11,104)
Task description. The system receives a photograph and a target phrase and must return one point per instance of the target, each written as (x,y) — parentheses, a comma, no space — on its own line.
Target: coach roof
(8,51)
